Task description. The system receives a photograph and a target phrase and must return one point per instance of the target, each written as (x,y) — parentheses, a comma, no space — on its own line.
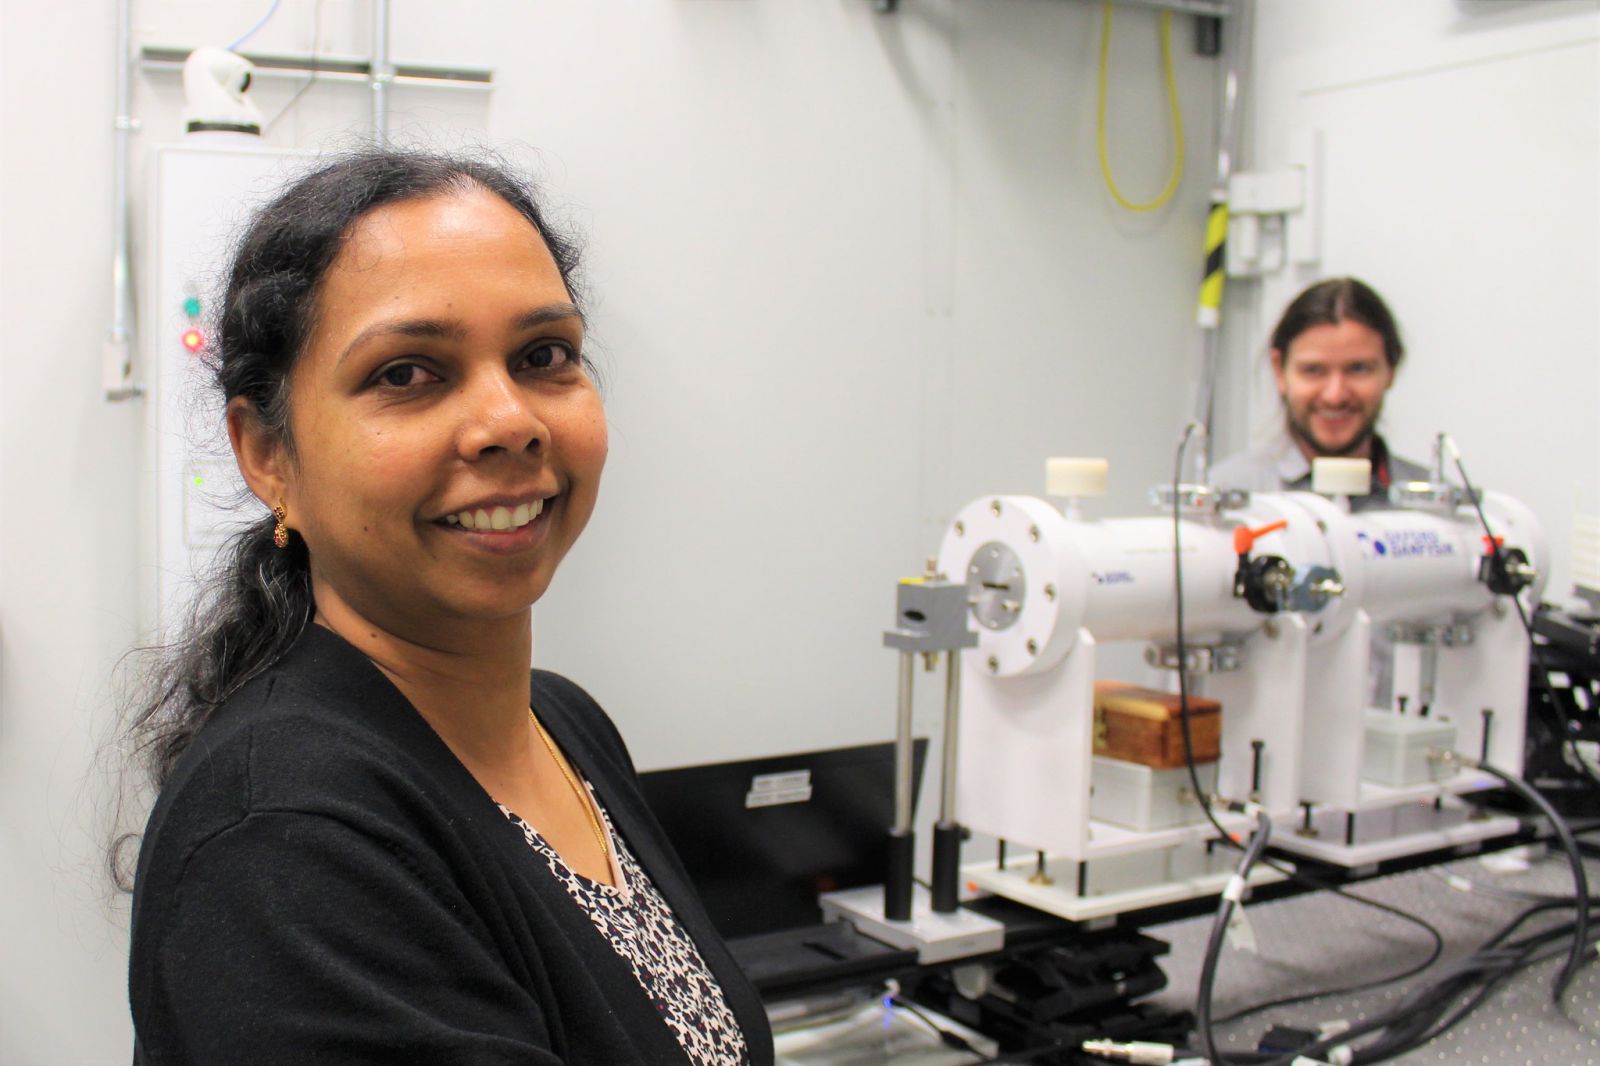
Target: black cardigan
(321,881)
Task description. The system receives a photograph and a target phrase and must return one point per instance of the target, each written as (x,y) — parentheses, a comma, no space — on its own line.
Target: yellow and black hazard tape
(1210,310)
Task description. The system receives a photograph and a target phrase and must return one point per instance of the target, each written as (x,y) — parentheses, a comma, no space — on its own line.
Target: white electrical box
(1397,746)
(1140,797)
(199,201)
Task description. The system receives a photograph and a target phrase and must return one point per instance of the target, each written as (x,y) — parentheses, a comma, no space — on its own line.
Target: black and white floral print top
(641,928)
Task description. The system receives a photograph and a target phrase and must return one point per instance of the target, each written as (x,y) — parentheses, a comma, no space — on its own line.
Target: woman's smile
(501,528)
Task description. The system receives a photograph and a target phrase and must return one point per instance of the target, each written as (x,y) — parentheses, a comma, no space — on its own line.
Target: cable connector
(1450,758)
(1138,1052)
(1284,1038)
(1254,810)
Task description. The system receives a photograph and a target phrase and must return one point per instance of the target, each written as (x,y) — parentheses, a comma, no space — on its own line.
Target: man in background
(1334,355)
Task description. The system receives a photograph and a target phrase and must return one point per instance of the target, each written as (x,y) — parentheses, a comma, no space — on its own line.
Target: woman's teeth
(498,519)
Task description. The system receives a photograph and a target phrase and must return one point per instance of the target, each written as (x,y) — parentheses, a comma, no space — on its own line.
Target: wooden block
(1142,725)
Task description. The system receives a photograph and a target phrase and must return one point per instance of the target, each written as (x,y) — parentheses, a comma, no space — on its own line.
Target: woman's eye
(403,374)
(548,356)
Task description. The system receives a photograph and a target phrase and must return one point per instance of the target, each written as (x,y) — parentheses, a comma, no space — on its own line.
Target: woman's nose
(500,416)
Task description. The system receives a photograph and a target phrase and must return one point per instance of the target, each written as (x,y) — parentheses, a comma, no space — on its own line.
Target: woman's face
(448,442)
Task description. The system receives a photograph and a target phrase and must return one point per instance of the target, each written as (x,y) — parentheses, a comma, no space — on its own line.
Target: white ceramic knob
(1339,476)
(1075,477)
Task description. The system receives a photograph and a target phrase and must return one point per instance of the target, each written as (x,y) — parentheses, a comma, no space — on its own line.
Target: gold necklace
(572,782)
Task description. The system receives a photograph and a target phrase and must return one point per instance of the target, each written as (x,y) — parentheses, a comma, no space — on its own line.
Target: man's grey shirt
(1278,465)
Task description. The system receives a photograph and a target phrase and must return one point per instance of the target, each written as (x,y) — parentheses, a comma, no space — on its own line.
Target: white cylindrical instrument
(1036,577)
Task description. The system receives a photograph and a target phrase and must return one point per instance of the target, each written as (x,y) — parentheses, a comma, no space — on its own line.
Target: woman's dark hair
(1327,303)
(258,601)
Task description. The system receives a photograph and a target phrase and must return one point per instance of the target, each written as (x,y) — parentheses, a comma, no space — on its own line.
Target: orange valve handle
(1244,538)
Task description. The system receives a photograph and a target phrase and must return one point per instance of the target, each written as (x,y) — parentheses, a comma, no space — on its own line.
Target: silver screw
(994,508)
(1033,534)
(1050,593)
(961,529)
(1033,646)
(994,665)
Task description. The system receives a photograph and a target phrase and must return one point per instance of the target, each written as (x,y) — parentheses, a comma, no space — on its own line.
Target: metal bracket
(1438,496)
(1443,635)
(1273,215)
(1192,499)
(1204,659)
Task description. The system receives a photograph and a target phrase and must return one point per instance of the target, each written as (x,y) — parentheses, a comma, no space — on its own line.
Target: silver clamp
(1432,634)
(1198,659)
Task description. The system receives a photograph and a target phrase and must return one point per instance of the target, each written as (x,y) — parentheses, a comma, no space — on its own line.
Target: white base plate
(1117,884)
(935,937)
(1392,830)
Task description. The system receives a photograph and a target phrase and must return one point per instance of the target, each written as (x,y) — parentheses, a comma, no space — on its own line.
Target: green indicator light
(191,307)
(199,481)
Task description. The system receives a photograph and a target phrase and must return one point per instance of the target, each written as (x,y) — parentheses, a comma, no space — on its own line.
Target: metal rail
(169,59)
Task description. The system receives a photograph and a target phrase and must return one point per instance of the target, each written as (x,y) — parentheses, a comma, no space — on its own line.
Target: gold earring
(280,532)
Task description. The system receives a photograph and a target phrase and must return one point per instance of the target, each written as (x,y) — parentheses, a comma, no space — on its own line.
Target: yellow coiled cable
(1172,100)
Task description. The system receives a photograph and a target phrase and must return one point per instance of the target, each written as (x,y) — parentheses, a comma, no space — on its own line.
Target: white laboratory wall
(1462,149)
(848,271)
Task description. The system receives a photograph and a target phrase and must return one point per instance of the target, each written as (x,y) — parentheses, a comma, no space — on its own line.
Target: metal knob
(1327,586)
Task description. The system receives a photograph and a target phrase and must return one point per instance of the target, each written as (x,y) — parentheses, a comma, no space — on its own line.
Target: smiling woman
(376,838)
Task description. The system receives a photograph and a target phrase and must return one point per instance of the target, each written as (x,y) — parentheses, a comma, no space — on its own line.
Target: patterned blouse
(641,928)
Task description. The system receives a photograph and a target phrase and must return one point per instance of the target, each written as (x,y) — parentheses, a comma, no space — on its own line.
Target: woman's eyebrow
(551,313)
(449,329)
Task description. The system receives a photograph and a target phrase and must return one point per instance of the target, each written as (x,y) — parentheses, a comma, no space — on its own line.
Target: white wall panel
(1462,147)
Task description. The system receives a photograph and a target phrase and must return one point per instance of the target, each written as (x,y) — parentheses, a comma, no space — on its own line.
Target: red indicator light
(193,340)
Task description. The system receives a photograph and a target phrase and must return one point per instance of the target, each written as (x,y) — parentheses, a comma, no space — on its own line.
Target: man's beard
(1301,429)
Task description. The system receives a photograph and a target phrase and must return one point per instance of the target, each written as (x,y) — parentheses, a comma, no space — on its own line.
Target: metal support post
(930,618)
(947,833)
(902,841)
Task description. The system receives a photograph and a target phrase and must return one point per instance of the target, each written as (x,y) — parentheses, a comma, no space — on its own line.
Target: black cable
(1201,795)
(1542,666)
(1422,1015)
(1580,881)
(1426,1013)
(1219,932)
(1504,964)
(1348,990)
(1022,1055)
(316,36)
